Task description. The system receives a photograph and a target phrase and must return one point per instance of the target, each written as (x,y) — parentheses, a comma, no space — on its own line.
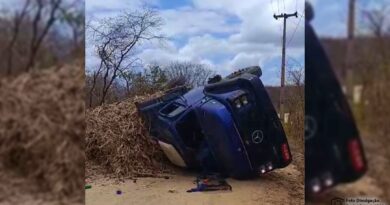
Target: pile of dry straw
(117,140)
(42,126)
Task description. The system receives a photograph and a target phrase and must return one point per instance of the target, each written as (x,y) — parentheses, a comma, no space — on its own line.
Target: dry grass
(373,121)
(42,128)
(117,140)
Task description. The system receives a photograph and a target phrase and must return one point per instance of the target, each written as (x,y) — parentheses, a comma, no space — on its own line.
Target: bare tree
(37,31)
(73,15)
(194,74)
(377,21)
(95,75)
(295,73)
(295,100)
(93,96)
(117,40)
(378,24)
(18,18)
(38,35)
(296,77)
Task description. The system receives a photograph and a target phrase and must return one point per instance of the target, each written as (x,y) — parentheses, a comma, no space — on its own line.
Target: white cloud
(234,54)
(97,9)
(224,34)
(190,21)
(205,46)
(258,24)
(163,54)
(96,6)
(242,60)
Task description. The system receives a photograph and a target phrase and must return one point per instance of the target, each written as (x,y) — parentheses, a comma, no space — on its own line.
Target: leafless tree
(296,77)
(34,33)
(377,21)
(375,75)
(117,40)
(17,21)
(194,74)
(73,15)
(95,75)
(296,74)
(41,8)
(295,101)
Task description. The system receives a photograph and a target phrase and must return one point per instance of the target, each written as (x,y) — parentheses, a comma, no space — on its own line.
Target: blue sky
(224,34)
(331,15)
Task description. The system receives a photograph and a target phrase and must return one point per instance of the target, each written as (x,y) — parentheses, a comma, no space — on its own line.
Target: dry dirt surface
(279,187)
(283,186)
(42,128)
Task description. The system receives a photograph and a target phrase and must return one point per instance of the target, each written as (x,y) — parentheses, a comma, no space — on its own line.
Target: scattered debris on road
(210,183)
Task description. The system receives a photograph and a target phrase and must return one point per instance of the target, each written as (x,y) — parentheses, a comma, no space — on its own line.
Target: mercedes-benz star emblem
(257,136)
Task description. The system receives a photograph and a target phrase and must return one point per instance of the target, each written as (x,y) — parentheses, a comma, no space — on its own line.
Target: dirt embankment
(42,128)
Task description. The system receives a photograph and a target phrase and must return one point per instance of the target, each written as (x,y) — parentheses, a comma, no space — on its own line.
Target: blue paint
(211,134)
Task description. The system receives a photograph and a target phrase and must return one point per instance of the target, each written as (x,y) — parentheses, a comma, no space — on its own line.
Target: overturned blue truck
(228,126)
(334,152)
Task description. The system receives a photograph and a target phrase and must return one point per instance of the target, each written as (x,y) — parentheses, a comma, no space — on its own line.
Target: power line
(273,10)
(272,6)
(277,5)
(298,63)
(295,30)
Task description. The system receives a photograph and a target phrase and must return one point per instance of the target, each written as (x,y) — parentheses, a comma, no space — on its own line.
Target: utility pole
(282,77)
(348,78)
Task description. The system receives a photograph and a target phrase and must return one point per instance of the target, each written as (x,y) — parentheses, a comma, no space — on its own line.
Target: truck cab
(333,149)
(230,127)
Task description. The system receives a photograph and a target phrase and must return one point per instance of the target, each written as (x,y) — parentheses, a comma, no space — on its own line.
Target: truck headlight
(262,169)
(237,103)
(328,182)
(328,179)
(315,186)
(244,100)
(269,166)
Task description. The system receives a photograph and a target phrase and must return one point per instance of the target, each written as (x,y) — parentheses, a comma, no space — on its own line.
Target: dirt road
(284,186)
(365,187)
